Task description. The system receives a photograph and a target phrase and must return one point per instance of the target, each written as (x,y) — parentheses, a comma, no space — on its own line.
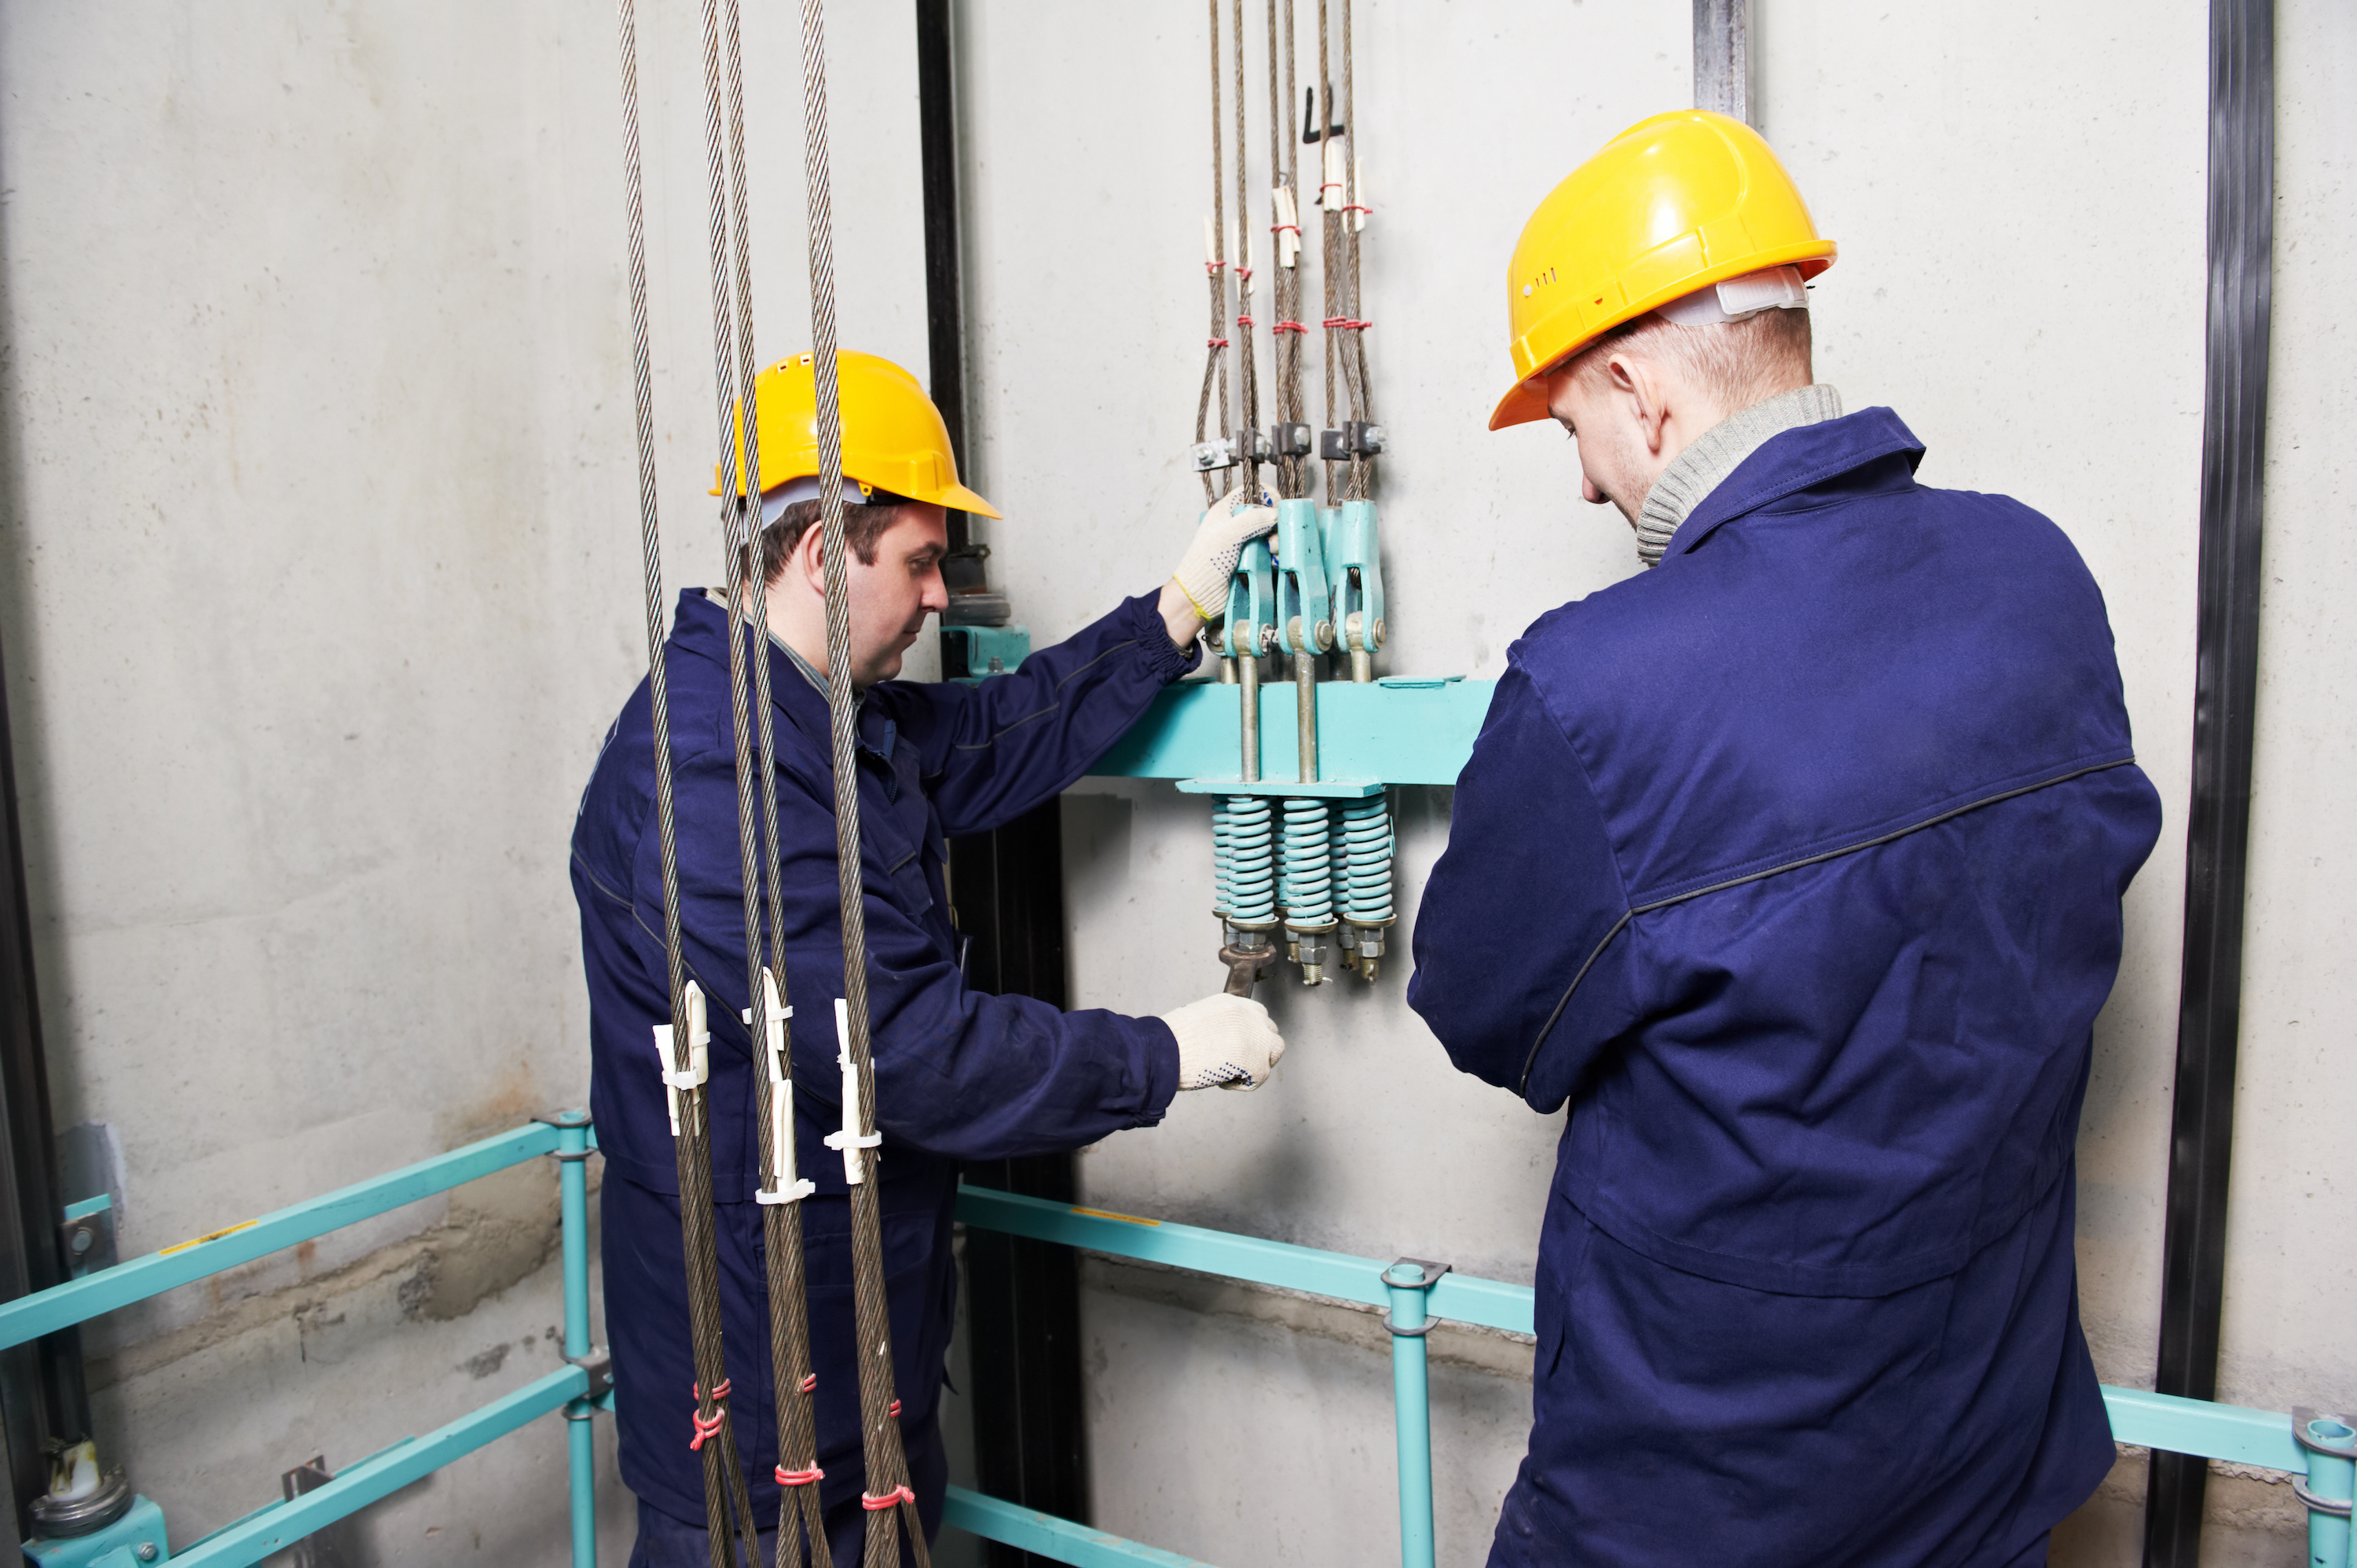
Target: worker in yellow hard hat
(960,1074)
(1814,835)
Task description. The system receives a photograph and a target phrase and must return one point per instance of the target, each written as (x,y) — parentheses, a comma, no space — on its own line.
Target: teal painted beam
(275,1527)
(1029,1529)
(1393,731)
(2225,1432)
(62,1307)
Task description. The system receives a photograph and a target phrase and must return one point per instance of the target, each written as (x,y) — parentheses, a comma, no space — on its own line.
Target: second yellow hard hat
(1670,206)
(893,437)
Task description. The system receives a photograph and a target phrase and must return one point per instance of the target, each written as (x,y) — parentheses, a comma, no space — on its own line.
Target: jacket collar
(701,627)
(1797,460)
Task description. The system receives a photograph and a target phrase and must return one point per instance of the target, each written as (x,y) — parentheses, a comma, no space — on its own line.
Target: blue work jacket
(959,1074)
(1795,865)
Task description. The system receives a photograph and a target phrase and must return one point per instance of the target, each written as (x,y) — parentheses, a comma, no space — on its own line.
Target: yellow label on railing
(1092,1213)
(208,1236)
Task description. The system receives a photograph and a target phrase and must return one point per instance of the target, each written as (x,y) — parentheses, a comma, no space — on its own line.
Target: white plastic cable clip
(774,1014)
(1289,227)
(699,1055)
(850,1140)
(1333,193)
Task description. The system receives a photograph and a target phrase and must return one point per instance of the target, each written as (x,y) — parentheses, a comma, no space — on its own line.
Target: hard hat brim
(956,497)
(1525,400)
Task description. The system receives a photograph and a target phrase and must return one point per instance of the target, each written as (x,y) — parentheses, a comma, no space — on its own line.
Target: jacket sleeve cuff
(1161,1068)
(1164,659)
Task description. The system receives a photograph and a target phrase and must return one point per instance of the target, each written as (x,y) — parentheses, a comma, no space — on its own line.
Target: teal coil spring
(1306,864)
(1364,855)
(1243,874)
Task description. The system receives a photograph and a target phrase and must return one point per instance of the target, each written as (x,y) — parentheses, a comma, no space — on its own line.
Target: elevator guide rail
(2316,1449)
(578,1389)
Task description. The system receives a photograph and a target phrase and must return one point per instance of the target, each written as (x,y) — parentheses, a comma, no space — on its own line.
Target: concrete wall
(318,585)
(2018,192)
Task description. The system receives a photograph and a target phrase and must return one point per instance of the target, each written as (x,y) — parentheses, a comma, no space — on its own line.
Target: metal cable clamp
(1432,1273)
(599,1364)
(2304,1423)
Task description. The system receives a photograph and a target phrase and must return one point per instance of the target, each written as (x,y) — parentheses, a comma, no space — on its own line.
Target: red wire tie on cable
(809,1478)
(1215,342)
(874,1503)
(1353,208)
(1285,228)
(810,1382)
(704,1428)
(893,1409)
(1244,320)
(1347,322)
(1243,271)
(1290,327)
(1214,266)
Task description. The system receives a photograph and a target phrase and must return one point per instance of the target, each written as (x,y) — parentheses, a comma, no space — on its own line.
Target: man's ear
(809,558)
(1642,384)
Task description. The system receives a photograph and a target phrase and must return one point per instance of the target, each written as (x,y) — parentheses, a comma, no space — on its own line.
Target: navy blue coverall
(1795,865)
(959,1074)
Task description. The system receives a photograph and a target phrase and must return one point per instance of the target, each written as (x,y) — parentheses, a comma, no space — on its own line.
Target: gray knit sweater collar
(1717,452)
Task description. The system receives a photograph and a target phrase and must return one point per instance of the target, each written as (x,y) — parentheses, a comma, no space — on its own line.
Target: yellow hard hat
(1671,205)
(893,437)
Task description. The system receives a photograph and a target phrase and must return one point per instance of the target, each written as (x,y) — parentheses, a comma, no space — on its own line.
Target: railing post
(2329,1443)
(573,1197)
(1408,1281)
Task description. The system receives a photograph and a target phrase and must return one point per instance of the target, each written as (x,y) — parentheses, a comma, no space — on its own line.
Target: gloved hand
(1203,571)
(1226,1040)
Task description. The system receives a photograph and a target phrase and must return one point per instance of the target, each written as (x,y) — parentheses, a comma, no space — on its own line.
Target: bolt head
(1325,634)
(148,1553)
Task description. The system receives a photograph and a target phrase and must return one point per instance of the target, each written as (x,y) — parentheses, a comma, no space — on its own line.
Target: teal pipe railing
(2319,1451)
(2228,1432)
(567,1137)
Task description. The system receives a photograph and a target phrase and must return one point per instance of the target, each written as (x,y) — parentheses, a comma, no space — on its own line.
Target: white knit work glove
(1228,525)
(1230,1041)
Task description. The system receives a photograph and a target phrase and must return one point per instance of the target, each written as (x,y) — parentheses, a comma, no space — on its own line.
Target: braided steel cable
(1284,164)
(888,1497)
(1215,361)
(793,1385)
(690,1151)
(1329,220)
(1247,369)
(1354,357)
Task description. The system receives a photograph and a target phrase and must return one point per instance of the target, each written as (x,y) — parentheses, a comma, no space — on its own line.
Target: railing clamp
(1429,1275)
(599,1364)
(2321,1432)
(566,1119)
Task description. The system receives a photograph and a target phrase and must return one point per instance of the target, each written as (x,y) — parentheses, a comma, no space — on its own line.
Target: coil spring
(1365,857)
(1244,875)
(1307,868)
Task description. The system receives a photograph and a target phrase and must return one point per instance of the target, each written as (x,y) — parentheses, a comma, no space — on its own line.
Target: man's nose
(935,595)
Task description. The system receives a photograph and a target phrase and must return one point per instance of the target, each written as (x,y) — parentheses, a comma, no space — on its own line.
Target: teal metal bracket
(1354,575)
(1252,602)
(1408,1281)
(977,653)
(2330,1443)
(1396,730)
(134,1540)
(1304,608)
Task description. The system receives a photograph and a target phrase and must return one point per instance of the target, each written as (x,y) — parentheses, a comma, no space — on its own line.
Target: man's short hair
(863,527)
(1740,362)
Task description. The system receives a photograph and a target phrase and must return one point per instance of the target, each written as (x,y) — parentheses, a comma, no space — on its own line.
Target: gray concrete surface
(318,579)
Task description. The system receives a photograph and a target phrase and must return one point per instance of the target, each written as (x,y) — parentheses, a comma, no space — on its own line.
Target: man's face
(890,599)
(1604,419)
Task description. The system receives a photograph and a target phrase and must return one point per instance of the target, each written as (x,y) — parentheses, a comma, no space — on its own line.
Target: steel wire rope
(1329,222)
(1247,367)
(1354,360)
(732,519)
(1287,332)
(691,1151)
(887,1498)
(1215,363)
(791,1381)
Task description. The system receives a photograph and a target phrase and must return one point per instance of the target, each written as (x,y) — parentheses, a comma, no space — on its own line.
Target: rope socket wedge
(678,1079)
(850,1141)
(786,1186)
